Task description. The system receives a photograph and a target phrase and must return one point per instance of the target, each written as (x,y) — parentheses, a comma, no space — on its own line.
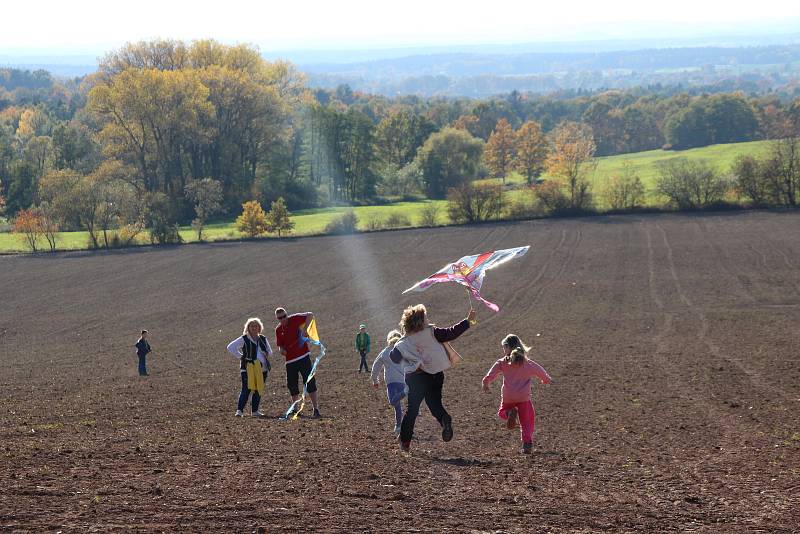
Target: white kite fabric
(470,270)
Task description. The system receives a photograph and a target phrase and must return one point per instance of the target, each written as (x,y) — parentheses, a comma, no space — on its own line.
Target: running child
(252,349)
(515,404)
(393,376)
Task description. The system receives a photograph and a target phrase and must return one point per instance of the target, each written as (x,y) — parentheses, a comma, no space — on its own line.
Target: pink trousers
(526,415)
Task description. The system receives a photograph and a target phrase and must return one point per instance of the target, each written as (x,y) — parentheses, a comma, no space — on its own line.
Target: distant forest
(159,116)
(751,69)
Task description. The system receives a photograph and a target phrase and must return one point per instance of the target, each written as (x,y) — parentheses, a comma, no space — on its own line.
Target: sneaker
(511,422)
(405,446)
(238,413)
(396,430)
(447,428)
(526,448)
(317,415)
(259,413)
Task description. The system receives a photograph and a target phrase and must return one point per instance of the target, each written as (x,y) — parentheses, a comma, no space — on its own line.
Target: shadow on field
(465,462)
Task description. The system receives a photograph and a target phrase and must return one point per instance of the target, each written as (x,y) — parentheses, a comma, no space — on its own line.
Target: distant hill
(477,75)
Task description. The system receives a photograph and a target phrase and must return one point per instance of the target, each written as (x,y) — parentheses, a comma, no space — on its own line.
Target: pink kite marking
(469,271)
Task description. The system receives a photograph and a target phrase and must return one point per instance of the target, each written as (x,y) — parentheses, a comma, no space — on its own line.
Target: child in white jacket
(393,377)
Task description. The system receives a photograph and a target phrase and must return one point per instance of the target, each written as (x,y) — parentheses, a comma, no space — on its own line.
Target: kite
(469,271)
(313,337)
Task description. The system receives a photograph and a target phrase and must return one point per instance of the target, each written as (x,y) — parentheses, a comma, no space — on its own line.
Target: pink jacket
(516,378)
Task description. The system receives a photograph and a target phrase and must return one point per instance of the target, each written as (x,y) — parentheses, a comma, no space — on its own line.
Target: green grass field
(309,222)
(645,164)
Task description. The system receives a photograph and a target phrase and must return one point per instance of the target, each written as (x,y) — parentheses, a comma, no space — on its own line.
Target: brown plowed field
(672,340)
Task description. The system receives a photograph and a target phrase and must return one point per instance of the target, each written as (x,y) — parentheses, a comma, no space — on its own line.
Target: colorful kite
(313,337)
(469,272)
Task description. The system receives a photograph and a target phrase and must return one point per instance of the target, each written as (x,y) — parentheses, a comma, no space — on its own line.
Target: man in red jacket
(291,334)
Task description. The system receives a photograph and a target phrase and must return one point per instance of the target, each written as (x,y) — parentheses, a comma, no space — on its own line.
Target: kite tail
(297,406)
(491,305)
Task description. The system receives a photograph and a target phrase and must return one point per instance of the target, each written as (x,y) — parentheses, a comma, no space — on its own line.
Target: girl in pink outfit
(517,371)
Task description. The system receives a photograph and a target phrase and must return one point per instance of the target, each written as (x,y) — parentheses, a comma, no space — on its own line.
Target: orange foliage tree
(30,226)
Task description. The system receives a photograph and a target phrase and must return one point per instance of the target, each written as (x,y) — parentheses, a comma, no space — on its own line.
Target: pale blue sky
(90,25)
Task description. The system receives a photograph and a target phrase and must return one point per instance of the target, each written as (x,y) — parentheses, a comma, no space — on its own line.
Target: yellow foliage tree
(531,150)
(571,162)
(500,150)
(253,221)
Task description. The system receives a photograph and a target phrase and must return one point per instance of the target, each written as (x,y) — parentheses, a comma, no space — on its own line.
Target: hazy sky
(90,25)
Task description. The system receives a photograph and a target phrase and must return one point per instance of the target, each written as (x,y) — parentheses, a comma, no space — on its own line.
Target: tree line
(167,132)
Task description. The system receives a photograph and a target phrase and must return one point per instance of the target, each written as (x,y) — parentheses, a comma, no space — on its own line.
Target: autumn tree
(180,112)
(500,150)
(28,223)
(468,123)
(253,221)
(570,162)
(112,198)
(531,152)
(206,195)
(151,119)
(50,224)
(60,190)
(278,218)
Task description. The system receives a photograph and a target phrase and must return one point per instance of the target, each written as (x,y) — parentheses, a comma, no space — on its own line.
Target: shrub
(474,203)
(526,207)
(165,234)
(551,196)
(161,221)
(253,221)
(346,223)
(690,184)
(397,220)
(429,214)
(128,234)
(374,222)
(751,179)
(624,191)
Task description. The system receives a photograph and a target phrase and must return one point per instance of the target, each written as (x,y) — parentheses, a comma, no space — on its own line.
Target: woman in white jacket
(424,359)
(249,348)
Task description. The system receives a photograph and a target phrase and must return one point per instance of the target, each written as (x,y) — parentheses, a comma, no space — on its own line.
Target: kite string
(302,400)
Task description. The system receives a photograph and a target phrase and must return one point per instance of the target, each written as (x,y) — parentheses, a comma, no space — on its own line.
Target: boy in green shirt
(362,346)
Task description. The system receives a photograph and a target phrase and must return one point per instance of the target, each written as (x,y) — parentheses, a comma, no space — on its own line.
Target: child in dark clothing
(142,350)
